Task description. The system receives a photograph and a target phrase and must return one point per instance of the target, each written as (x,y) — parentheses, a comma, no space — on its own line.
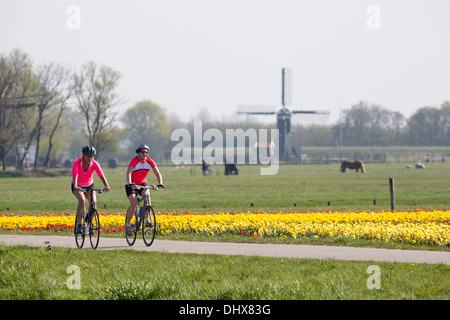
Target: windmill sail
(310,111)
(286,86)
(247,109)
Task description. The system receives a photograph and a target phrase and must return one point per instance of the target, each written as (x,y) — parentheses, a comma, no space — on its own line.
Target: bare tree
(15,77)
(365,124)
(94,88)
(52,93)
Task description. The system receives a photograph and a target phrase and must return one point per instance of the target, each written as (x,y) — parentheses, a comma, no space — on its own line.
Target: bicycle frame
(89,226)
(148,232)
(141,198)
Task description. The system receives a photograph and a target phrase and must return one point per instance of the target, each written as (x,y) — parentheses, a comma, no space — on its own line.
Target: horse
(352,164)
(230,168)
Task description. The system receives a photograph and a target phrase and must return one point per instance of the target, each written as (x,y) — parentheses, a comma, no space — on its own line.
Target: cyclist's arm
(75,183)
(75,166)
(105,183)
(101,175)
(128,176)
(158,175)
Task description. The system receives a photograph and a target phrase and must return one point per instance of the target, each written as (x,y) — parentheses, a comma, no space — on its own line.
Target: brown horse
(352,164)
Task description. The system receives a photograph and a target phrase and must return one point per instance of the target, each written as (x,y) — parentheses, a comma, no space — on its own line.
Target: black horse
(230,168)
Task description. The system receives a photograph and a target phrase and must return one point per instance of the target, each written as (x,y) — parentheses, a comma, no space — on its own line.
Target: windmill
(284,114)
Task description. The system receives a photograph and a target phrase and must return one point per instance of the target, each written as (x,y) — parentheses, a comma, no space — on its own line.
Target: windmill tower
(284,114)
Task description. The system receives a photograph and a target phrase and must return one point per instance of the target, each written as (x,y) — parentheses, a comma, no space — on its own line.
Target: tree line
(365,124)
(57,110)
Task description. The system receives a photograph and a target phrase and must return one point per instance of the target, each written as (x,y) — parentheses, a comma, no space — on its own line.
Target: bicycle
(139,221)
(90,223)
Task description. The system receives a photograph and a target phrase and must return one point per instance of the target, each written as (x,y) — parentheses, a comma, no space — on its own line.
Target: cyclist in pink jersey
(137,175)
(83,177)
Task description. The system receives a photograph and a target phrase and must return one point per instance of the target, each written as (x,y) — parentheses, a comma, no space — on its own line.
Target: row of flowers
(416,227)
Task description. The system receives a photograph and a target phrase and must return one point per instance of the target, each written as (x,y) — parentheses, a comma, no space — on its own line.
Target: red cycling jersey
(140,170)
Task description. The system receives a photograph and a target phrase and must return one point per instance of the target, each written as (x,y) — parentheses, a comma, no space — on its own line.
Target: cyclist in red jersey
(83,177)
(137,172)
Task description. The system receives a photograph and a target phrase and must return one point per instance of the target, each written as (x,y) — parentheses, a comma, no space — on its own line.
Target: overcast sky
(218,54)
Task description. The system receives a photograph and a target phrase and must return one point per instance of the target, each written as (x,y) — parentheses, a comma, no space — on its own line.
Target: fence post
(391,187)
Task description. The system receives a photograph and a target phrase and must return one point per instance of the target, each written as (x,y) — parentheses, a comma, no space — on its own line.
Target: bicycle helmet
(89,151)
(142,146)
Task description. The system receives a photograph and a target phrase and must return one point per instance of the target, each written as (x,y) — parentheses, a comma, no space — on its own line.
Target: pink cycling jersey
(85,179)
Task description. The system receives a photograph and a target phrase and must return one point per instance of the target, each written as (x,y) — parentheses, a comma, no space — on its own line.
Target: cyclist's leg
(81,203)
(94,197)
(130,212)
(88,200)
(88,197)
(146,194)
(148,222)
(133,202)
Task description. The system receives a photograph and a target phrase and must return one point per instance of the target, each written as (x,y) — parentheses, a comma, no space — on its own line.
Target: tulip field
(402,227)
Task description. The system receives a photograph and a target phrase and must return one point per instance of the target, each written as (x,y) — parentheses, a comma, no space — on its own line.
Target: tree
(354,124)
(94,88)
(57,115)
(430,126)
(15,77)
(146,122)
(52,92)
(397,128)
(369,125)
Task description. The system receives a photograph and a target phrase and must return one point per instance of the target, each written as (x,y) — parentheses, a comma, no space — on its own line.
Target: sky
(192,55)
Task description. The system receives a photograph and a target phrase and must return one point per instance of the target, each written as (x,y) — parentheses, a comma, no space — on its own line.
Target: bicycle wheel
(149,230)
(94,229)
(131,239)
(79,237)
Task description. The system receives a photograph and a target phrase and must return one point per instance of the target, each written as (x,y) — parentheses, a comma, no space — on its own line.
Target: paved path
(249,249)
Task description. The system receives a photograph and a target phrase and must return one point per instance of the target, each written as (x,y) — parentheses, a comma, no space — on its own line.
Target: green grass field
(25,273)
(294,187)
(126,274)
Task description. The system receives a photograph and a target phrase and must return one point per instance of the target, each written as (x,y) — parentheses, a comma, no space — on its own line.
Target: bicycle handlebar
(85,190)
(147,187)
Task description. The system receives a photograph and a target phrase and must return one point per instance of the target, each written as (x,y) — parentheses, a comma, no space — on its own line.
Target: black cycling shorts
(91,187)
(131,191)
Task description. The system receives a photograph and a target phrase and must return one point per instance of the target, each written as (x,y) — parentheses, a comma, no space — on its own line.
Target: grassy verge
(25,273)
